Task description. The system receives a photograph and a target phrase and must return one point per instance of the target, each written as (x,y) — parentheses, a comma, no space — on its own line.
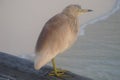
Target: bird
(58,34)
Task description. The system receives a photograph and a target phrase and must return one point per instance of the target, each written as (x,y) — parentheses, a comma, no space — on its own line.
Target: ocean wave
(115,8)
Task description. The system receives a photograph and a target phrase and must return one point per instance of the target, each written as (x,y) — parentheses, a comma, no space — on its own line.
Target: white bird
(58,34)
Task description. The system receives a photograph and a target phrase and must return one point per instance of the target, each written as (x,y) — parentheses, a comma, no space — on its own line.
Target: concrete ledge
(15,68)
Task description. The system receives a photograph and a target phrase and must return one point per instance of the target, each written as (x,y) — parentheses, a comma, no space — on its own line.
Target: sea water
(96,54)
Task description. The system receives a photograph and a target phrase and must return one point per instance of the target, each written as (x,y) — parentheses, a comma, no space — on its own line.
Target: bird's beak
(89,10)
(86,10)
(82,11)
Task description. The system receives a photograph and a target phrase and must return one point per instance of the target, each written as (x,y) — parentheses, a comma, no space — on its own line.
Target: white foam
(103,17)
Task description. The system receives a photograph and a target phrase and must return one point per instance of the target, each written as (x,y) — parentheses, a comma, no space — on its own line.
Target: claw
(57,72)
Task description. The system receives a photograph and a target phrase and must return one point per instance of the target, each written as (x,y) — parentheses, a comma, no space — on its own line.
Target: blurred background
(96,54)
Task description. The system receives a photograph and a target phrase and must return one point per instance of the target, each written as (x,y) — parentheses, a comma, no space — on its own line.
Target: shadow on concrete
(15,68)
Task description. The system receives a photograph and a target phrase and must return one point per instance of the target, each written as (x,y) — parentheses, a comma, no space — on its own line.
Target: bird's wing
(53,39)
(54,34)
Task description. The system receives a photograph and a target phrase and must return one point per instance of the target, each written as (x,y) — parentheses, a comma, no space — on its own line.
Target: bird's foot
(58,73)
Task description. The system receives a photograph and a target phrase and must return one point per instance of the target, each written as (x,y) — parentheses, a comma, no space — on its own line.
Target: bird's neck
(69,14)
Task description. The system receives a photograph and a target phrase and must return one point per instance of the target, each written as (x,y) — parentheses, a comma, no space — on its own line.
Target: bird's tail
(42,58)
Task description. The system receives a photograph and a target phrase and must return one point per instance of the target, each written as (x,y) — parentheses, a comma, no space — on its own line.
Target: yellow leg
(54,66)
(56,72)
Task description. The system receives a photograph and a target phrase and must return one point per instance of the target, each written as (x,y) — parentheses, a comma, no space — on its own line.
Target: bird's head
(75,10)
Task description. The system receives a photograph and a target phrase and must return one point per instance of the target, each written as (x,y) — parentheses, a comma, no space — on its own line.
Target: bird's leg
(56,72)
